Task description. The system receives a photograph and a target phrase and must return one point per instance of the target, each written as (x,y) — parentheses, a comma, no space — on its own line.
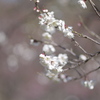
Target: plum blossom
(68,32)
(83,4)
(83,57)
(53,64)
(63,59)
(48,49)
(47,36)
(51,24)
(89,84)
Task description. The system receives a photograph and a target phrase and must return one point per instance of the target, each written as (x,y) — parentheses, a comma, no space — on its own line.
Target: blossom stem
(86,74)
(95,8)
(77,44)
(87,37)
(89,31)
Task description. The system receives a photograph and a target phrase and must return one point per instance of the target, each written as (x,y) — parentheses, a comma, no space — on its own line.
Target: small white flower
(46,18)
(44,60)
(89,84)
(47,36)
(59,69)
(37,10)
(68,32)
(60,25)
(48,49)
(63,59)
(48,62)
(42,56)
(65,78)
(70,35)
(83,4)
(50,28)
(45,10)
(52,76)
(83,57)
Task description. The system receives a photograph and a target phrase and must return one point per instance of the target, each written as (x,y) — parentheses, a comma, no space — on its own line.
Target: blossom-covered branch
(57,66)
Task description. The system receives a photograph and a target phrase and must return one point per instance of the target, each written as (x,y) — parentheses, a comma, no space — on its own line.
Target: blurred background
(21,75)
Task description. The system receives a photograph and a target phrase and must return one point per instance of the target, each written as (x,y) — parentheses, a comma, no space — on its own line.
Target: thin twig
(94,7)
(54,44)
(70,51)
(87,73)
(81,63)
(78,72)
(77,44)
(89,31)
(87,37)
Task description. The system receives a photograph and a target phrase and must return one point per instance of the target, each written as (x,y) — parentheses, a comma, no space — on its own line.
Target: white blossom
(52,76)
(46,18)
(83,4)
(63,59)
(50,28)
(48,49)
(83,57)
(45,10)
(53,64)
(60,25)
(47,36)
(65,78)
(89,84)
(48,62)
(68,32)
(45,61)
(51,23)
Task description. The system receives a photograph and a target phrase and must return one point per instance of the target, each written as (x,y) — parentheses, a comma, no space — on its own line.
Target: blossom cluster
(50,23)
(89,84)
(53,64)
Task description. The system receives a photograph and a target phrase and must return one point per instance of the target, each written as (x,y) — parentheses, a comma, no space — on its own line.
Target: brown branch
(77,44)
(89,31)
(81,63)
(87,37)
(86,74)
(95,8)
(54,44)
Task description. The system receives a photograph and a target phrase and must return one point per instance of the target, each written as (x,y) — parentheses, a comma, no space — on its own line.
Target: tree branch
(95,8)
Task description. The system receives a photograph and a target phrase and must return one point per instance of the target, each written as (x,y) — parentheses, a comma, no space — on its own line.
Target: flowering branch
(55,65)
(86,74)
